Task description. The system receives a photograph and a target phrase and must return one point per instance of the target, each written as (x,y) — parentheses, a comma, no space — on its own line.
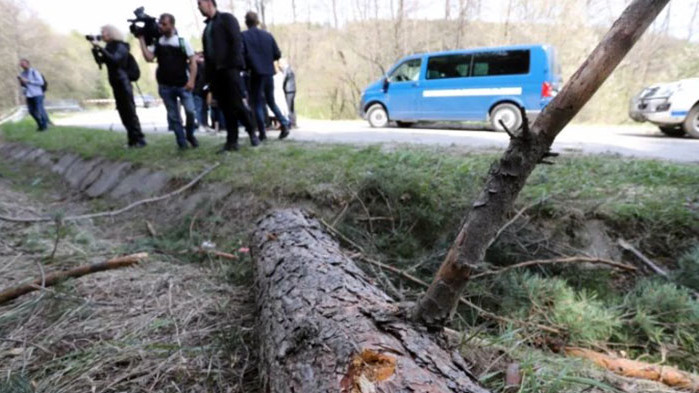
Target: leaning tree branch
(113,213)
(54,278)
(508,176)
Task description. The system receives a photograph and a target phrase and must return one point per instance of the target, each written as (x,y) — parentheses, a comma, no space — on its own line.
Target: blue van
(482,84)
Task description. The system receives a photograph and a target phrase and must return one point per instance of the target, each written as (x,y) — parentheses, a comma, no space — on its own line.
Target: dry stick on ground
(113,213)
(56,277)
(526,150)
(657,269)
(632,368)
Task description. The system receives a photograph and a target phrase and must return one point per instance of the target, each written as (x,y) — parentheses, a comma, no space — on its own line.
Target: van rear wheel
(509,114)
(377,116)
(691,123)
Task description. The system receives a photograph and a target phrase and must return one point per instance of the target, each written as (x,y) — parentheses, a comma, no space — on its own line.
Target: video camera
(144,26)
(96,52)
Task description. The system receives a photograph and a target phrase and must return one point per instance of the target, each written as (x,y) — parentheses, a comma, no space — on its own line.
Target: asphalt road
(643,140)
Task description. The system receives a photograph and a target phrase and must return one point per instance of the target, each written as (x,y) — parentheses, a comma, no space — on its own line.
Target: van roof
(545,47)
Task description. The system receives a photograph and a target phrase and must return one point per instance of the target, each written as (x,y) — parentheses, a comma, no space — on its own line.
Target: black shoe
(139,144)
(285,132)
(254,141)
(193,141)
(228,148)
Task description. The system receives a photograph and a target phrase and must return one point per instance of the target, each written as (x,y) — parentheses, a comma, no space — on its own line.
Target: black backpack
(132,70)
(45,86)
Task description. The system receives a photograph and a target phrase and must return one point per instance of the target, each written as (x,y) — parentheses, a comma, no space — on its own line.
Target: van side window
(408,71)
(449,66)
(511,62)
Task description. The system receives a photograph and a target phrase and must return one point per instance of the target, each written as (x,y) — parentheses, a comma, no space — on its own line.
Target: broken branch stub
(508,176)
(325,327)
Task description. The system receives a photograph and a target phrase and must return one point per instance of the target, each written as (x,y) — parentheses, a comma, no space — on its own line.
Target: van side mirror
(385,84)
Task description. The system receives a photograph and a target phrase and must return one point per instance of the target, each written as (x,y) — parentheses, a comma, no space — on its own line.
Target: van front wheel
(509,114)
(691,123)
(377,116)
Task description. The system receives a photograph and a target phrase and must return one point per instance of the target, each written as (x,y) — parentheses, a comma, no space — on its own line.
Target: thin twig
(25,342)
(515,218)
(557,261)
(59,223)
(113,213)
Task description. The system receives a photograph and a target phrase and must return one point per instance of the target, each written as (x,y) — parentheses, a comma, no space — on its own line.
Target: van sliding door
(444,93)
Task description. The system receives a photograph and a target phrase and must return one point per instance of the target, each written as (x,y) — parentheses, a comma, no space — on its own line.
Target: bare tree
(507,178)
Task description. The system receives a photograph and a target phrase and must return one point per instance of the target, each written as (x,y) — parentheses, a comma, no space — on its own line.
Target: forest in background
(335,60)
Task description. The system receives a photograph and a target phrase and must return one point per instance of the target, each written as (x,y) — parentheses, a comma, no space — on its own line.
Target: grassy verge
(421,191)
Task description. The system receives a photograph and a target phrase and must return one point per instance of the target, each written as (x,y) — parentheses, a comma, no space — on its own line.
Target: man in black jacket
(223,63)
(115,55)
(261,51)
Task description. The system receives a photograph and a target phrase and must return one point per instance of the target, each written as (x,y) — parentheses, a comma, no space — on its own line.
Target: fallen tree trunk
(324,327)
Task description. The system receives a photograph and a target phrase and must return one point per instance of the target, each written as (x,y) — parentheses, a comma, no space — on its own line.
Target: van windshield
(407,71)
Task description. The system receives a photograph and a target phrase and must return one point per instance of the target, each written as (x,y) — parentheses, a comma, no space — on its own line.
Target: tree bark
(324,327)
(508,176)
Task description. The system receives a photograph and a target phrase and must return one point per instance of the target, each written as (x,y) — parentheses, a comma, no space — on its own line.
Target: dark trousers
(227,90)
(123,95)
(201,109)
(173,97)
(35,106)
(262,91)
(290,97)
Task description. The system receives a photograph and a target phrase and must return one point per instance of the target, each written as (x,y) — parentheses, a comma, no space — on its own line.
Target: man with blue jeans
(261,51)
(176,76)
(33,83)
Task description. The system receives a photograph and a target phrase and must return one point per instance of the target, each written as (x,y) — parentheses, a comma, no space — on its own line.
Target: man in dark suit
(223,59)
(261,51)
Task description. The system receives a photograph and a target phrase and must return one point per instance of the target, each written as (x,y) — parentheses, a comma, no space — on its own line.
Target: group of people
(236,68)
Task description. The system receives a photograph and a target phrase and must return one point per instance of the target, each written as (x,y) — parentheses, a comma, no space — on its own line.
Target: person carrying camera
(115,54)
(223,63)
(176,76)
(33,84)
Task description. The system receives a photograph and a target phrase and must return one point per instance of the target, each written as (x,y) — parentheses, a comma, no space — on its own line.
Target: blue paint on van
(466,85)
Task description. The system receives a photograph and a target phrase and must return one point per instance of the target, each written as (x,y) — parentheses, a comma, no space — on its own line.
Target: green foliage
(666,316)
(687,273)
(551,301)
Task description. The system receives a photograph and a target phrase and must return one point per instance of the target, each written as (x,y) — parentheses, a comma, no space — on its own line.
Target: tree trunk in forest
(508,176)
(324,327)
